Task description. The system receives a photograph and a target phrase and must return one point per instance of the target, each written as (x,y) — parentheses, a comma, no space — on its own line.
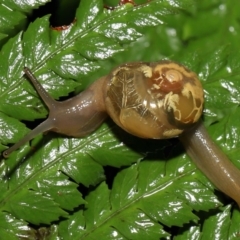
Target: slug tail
(211,160)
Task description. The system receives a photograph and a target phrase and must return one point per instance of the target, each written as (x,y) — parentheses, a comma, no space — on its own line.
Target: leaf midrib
(37,173)
(80,35)
(160,187)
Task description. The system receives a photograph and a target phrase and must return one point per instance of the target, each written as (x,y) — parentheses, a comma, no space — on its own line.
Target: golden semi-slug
(150,100)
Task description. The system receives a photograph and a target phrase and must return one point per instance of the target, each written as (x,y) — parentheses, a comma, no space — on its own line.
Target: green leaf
(14,129)
(59,188)
(74,224)
(95,46)
(37,43)
(233,226)
(12,228)
(135,202)
(10,19)
(13,16)
(217,226)
(139,203)
(28,202)
(88,12)
(221,225)
(25,5)
(193,233)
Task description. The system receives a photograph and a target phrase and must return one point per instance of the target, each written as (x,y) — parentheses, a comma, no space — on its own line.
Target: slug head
(76,117)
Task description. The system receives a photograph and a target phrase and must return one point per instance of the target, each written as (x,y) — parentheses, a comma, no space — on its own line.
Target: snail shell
(154,100)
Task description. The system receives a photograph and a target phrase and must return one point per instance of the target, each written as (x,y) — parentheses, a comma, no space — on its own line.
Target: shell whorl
(154,100)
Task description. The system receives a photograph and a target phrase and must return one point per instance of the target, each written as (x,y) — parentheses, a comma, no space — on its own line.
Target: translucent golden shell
(154,100)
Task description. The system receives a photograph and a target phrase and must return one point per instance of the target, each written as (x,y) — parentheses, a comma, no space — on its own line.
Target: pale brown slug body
(149,100)
(212,161)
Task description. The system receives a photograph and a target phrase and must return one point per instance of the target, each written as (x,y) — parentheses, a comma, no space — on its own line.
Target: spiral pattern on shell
(154,100)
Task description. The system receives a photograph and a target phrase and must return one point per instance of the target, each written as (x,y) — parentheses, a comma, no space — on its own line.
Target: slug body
(74,117)
(212,161)
(150,100)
